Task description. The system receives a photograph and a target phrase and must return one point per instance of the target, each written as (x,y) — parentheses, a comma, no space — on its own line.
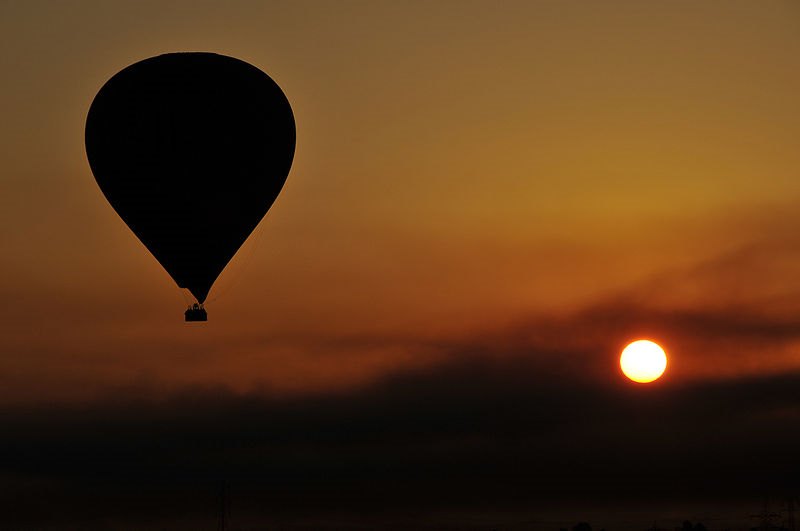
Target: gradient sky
(488,201)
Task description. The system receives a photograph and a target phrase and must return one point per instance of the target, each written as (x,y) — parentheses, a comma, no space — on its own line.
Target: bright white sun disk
(643,361)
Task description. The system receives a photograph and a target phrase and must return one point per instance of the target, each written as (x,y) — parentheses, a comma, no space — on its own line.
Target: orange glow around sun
(643,361)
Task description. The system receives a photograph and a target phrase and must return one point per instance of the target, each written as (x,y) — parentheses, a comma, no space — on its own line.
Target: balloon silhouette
(191,150)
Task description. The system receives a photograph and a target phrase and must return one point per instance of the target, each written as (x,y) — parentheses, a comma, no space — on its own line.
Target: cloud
(471,433)
(529,416)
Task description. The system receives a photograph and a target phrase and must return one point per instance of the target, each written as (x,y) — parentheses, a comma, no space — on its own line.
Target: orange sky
(463,172)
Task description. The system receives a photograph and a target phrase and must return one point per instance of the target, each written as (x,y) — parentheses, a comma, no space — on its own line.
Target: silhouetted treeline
(685,526)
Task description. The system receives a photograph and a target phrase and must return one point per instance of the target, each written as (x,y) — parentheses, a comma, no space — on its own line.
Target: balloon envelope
(191,150)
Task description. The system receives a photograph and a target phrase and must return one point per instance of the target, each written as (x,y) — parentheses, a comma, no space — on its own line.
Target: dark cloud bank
(470,435)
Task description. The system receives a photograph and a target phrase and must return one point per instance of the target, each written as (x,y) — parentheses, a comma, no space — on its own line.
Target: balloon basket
(195,313)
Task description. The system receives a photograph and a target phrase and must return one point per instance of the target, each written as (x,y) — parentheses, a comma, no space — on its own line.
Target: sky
(488,201)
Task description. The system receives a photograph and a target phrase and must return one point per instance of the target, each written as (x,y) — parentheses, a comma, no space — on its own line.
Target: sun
(643,361)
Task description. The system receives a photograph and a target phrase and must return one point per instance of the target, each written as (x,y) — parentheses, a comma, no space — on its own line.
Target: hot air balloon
(191,150)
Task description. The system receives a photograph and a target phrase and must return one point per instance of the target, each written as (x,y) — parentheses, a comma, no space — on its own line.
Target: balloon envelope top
(191,150)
